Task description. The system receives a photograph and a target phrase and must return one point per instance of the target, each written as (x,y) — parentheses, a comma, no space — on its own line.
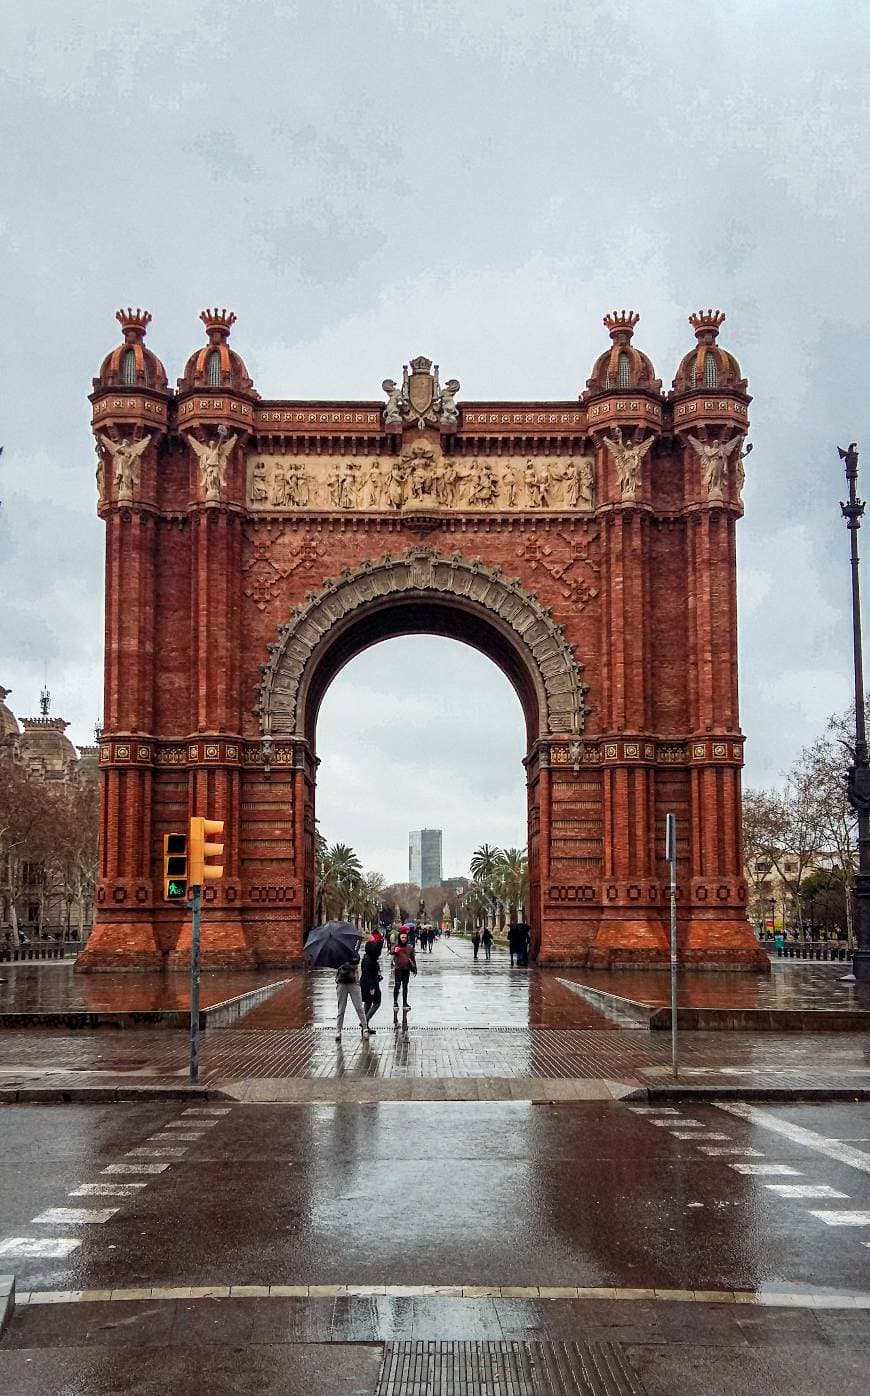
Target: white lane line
(47,1248)
(191,1124)
(106,1189)
(762,1170)
(831,1148)
(842,1218)
(170,1138)
(135,1168)
(693,1134)
(635,1110)
(207,1110)
(804,1190)
(678,1124)
(74,1216)
(155,1153)
(716,1152)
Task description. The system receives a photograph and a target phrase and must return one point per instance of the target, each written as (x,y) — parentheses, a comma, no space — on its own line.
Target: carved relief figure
(537,480)
(509,482)
(628,460)
(484,486)
(99,475)
(396,485)
(279,486)
(259,483)
(448,483)
(374,485)
(125,456)
(213,457)
(579,477)
(333,486)
(714,457)
(347,485)
(297,486)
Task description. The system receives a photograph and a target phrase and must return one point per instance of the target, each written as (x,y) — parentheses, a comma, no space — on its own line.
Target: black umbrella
(332,944)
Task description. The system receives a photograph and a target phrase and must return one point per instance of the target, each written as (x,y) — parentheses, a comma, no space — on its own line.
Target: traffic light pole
(194,984)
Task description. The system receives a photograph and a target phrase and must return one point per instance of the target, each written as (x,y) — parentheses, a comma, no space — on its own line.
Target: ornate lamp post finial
(859,771)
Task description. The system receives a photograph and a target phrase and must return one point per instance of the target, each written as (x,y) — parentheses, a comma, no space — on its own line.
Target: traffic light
(200,870)
(175,867)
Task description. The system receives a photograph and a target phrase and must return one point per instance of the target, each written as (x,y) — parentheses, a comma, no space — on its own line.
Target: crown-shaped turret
(216,365)
(218,324)
(130,364)
(708,366)
(622,366)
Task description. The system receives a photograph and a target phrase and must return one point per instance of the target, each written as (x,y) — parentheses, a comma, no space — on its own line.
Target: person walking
(404,965)
(486,941)
(370,977)
(475,941)
(347,987)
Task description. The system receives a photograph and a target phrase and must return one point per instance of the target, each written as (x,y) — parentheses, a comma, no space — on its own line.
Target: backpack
(346,974)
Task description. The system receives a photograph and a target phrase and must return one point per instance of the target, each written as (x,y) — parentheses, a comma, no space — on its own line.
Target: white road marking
(693,1134)
(207,1110)
(168,1138)
(840,1152)
(106,1189)
(842,1218)
(716,1152)
(48,1248)
(74,1216)
(135,1168)
(678,1124)
(761,1170)
(191,1124)
(635,1110)
(155,1153)
(804,1190)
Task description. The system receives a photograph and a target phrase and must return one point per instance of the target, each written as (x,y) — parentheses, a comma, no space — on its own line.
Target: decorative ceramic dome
(131,365)
(622,366)
(216,365)
(708,365)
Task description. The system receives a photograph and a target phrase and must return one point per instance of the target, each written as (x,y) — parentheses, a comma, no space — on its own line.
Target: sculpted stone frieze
(420,478)
(538,638)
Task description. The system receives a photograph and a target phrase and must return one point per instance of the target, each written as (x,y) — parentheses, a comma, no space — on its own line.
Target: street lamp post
(859,771)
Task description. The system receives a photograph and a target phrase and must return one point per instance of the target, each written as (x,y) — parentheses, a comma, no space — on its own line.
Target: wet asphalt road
(500,1193)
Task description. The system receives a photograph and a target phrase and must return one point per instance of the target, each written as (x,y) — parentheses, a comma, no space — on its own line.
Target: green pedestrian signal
(175,867)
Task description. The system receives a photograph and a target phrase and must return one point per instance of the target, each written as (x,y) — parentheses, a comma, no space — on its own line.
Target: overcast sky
(476,180)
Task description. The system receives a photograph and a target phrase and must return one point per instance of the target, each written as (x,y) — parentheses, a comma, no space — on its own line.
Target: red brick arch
(586,546)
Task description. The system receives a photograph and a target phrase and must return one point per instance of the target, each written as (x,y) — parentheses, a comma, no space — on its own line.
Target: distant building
(424,857)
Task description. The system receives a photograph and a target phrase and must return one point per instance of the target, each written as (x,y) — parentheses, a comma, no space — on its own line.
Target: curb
(101,1095)
(7,1301)
(847,1093)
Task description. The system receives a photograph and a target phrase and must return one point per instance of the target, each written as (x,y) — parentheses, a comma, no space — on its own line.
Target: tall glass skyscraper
(424,857)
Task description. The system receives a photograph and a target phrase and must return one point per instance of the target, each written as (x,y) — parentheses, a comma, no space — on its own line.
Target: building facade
(587,546)
(43,892)
(424,857)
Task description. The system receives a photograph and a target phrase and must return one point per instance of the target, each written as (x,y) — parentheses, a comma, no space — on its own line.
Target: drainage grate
(506,1369)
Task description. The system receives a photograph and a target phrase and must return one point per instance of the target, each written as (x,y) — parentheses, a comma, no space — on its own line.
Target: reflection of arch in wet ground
(450,991)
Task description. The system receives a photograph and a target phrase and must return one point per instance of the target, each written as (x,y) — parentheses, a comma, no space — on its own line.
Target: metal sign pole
(671,855)
(194,984)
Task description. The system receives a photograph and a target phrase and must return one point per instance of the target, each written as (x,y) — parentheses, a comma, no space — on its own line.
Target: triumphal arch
(587,546)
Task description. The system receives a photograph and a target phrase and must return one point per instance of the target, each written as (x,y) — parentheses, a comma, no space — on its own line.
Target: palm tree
(339,870)
(514,880)
(485,866)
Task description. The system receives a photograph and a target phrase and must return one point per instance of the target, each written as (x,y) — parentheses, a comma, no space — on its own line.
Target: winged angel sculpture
(125,463)
(213,457)
(628,459)
(714,457)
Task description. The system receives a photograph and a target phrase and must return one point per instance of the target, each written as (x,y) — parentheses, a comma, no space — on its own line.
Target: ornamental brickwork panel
(586,546)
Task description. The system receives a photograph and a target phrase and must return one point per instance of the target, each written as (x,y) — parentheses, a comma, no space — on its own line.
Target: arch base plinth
(121,945)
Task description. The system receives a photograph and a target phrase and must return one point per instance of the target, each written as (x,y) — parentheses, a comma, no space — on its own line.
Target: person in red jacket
(404,965)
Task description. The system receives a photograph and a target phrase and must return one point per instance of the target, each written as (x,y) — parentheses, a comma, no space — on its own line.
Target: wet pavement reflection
(787,986)
(54,987)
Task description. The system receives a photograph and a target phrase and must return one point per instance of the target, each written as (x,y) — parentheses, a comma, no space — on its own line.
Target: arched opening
(420,732)
(128,368)
(213,369)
